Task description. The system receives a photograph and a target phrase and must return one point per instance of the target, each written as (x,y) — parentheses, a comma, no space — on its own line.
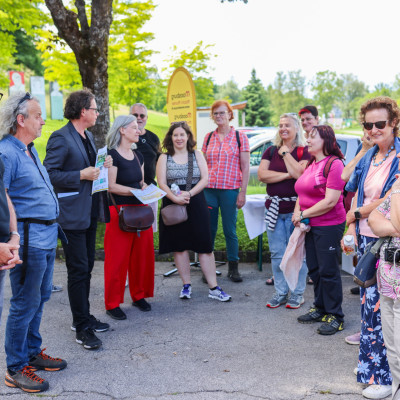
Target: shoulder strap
(300,152)
(209,138)
(137,158)
(190,172)
(238,139)
(328,165)
(272,151)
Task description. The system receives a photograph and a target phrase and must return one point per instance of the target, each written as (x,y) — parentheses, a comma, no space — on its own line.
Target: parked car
(259,143)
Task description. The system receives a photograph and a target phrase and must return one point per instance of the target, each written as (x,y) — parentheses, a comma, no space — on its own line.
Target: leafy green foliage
(228,91)
(196,62)
(257,108)
(326,88)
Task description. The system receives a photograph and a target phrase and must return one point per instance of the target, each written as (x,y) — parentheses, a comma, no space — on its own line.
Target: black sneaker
(330,326)
(116,313)
(88,339)
(95,324)
(313,315)
(26,379)
(142,304)
(355,290)
(43,361)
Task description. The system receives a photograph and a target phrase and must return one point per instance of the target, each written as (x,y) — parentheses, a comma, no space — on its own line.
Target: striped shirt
(223,159)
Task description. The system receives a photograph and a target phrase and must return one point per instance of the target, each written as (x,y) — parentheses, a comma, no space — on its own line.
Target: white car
(259,143)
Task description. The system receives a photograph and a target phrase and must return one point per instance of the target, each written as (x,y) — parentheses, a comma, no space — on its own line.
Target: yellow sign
(181,99)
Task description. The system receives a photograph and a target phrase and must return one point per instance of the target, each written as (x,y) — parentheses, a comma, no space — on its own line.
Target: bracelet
(15,233)
(301,215)
(396,191)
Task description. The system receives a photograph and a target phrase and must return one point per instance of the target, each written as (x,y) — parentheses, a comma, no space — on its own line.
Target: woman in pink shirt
(320,200)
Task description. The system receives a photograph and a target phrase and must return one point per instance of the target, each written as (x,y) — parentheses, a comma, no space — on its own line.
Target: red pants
(127,252)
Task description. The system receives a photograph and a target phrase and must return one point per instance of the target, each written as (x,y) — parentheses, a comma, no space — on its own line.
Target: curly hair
(220,103)
(168,144)
(388,104)
(16,104)
(299,139)
(76,102)
(331,147)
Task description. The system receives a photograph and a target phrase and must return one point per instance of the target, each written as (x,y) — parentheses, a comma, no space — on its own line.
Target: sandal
(270,281)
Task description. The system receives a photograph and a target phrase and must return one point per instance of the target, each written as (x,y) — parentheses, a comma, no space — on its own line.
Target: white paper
(101,183)
(149,195)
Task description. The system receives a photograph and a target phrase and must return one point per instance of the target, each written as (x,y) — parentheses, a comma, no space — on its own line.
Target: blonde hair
(299,139)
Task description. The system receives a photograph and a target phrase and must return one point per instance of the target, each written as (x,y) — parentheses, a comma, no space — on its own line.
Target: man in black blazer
(70,161)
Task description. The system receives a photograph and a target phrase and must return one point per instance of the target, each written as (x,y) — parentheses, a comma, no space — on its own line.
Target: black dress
(193,234)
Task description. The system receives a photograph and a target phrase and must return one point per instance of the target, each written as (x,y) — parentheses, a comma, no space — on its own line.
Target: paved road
(198,349)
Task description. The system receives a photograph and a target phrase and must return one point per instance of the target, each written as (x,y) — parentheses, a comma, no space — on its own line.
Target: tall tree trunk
(90,46)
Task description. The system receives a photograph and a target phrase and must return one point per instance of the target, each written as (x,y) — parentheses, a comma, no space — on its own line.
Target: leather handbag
(175,214)
(134,218)
(365,271)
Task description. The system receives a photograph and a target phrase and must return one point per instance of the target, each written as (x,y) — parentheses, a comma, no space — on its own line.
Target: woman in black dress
(193,234)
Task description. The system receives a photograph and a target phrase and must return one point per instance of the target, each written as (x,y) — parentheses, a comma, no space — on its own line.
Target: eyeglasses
(96,110)
(379,125)
(221,113)
(27,96)
(1,96)
(142,116)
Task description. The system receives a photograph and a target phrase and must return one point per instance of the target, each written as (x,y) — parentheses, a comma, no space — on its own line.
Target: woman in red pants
(126,252)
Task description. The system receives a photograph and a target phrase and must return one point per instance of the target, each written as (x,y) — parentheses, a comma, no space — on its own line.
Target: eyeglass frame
(27,96)
(96,110)
(374,124)
(142,116)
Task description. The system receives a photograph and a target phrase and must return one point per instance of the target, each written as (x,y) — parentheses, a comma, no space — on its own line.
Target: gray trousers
(390,314)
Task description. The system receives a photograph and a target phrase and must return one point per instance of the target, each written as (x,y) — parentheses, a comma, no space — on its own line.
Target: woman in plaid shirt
(228,159)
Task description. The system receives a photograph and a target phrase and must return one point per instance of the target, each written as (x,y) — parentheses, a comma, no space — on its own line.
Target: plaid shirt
(223,159)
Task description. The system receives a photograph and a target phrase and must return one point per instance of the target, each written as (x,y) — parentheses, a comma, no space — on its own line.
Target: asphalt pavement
(198,349)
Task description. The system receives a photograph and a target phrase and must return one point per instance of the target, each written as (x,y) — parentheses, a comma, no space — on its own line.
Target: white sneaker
(355,371)
(377,391)
(218,294)
(186,291)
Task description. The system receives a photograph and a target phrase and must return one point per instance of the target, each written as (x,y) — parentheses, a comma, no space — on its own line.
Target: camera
(390,254)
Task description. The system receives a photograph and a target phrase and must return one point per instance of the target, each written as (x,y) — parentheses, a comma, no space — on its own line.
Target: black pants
(79,258)
(323,258)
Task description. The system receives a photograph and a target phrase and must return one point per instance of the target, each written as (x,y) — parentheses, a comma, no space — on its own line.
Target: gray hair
(138,105)
(113,138)
(299,139)
(9,111)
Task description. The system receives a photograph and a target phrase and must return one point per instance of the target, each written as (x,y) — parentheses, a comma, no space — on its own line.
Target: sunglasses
(26,97)
(379,125)
(142,116)
(179,123)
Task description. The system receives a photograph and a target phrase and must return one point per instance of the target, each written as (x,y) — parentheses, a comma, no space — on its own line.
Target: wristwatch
(284,153)
(357,213)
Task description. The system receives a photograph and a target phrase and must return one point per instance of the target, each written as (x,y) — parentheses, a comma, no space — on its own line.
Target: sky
(345,36)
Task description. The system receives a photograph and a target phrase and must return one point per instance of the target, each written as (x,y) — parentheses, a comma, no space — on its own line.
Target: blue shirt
(360,173)
(30,190)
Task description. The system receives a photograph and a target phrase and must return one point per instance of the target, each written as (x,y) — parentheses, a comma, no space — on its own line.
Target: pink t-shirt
(373,186)
(311,187)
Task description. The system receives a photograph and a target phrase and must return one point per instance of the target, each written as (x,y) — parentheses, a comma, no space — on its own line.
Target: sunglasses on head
(139,115)
(379,125)
(26,97)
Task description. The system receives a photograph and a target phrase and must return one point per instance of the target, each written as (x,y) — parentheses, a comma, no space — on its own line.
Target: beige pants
(390,314)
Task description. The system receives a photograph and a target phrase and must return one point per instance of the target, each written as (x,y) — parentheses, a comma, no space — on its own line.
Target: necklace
(375,164)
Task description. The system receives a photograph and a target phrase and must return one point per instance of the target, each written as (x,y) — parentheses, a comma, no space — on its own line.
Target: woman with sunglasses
(173,171)
(228,159)
(373,178)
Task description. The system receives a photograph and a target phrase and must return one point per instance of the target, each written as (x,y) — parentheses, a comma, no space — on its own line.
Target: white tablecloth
(254,215)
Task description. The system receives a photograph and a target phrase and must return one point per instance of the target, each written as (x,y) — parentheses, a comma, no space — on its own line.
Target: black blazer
(65,158)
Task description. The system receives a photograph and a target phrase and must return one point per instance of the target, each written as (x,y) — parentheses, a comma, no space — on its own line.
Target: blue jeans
(224,199)
(23,340)
(277,242)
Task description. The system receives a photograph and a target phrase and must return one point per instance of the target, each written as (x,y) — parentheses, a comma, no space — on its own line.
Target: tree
(26,53)
(326,90)
(88,39)
(257,108)
(11,21)
(351,90)
(228,90)
(196,62)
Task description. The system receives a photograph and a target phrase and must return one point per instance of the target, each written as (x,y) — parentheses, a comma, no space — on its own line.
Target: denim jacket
(360,173)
